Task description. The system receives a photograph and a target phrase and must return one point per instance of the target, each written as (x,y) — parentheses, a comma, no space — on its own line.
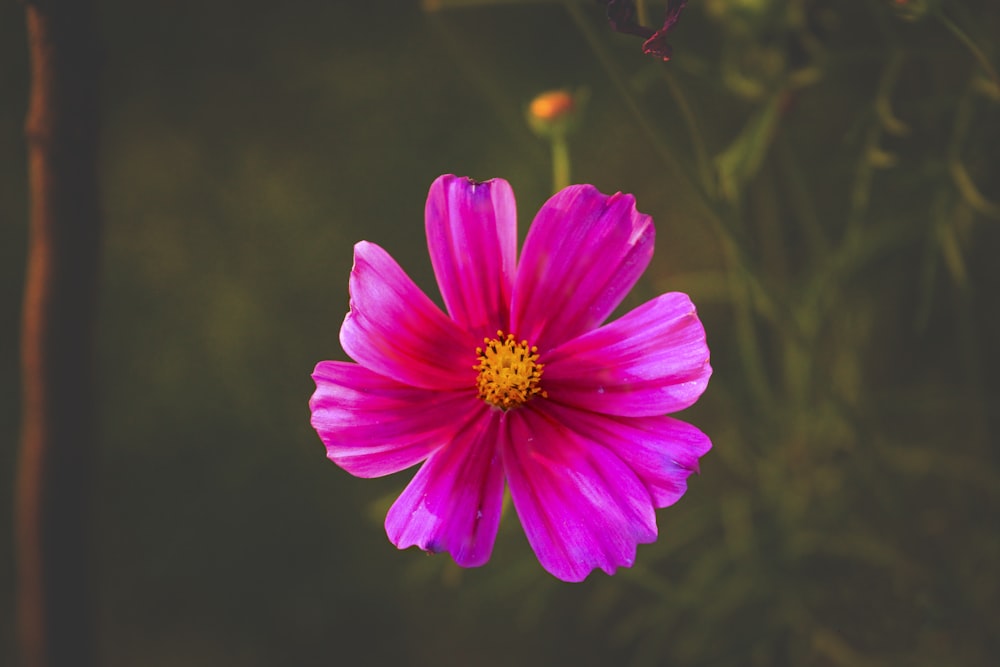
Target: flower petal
(584,252)
(453,503)
(395,330)
(651,361)
(661,450)
(580,505)
(373,426)
(472,239)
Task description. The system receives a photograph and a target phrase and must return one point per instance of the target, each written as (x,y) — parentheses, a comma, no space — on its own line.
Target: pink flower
(520,382)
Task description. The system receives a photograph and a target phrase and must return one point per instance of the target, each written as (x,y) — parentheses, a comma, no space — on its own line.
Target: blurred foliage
(825,181)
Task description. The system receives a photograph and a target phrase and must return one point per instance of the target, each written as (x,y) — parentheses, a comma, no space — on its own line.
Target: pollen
(509,372)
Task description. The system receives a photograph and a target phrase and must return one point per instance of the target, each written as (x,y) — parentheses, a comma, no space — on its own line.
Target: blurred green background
(825,180)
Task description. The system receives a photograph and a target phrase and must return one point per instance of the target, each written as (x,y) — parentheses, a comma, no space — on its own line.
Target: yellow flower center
(509,371)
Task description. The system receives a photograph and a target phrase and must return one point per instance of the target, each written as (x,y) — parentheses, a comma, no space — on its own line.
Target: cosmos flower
(519,385)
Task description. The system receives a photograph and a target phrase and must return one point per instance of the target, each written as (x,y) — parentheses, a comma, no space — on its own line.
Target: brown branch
(58,421)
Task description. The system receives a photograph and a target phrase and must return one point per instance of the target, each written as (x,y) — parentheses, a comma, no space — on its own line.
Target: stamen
(509,372)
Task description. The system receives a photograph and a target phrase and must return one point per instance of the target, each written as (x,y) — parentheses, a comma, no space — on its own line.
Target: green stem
(560,162)
(618,79)
(705,172)
(972,46)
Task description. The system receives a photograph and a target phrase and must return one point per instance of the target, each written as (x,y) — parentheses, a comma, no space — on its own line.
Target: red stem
(54,606)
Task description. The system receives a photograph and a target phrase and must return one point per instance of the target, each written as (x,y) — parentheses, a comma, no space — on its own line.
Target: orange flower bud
(552,105)
(556,112)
